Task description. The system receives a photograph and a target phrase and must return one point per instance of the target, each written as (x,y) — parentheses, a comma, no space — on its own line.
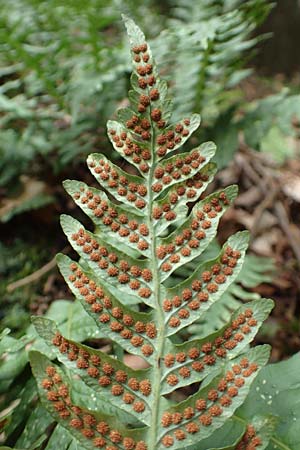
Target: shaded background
(280,54)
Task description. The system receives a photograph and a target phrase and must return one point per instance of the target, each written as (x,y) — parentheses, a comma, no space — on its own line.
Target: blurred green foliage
(17,260)
(56,63)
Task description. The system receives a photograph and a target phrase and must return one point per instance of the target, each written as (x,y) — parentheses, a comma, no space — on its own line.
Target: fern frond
(208,38)
(143,231)
(255,270)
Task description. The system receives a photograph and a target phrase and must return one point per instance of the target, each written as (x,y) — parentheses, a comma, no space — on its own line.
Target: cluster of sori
(123,271)
(182,174)
(250,440)
(185,243)
(133,330)
(100,433)
(205,409)
(200,290)
(200,356)
(130,387)
(128,325)
(132,189)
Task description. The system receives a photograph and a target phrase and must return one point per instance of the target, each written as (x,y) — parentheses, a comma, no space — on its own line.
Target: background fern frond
(207,38)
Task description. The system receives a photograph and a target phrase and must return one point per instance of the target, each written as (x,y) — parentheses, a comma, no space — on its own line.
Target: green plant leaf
(181,167)
(100,254)
(116,321)
(255,270)
(196,359)
(195,233)
(35,430)
(118,182)
(178,196)
(204,287)
(260,428)
(260,355)
(22,410)
(99,425)
(109,378)
(115,222)
(225,438)
(276,392)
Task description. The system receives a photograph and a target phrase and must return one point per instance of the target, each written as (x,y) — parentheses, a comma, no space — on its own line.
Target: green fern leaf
(143,232)
(84,425)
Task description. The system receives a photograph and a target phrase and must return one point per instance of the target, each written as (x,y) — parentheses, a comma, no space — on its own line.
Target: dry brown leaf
(31,188)
(263,245)
(249,198)
(290,184)
(266,221)
(135,362)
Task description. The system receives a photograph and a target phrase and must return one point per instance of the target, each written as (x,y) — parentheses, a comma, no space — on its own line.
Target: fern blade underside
(140,237)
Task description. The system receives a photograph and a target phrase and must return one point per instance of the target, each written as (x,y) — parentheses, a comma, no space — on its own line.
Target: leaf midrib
(158,313)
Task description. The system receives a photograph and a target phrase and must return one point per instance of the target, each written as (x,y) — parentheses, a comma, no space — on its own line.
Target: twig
(243,162)
(267,202)
(279,209)
(33,276)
